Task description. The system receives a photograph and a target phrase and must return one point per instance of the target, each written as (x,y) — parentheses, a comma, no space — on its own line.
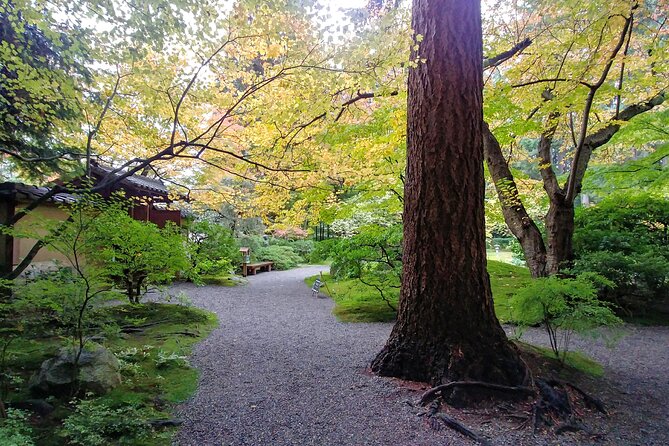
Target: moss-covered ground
(152,342)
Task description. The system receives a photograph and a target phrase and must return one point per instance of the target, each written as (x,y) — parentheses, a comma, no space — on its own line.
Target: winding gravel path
(280,370)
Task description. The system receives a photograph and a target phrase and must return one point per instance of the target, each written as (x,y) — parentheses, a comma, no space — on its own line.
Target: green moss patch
(574,361)
(152,342)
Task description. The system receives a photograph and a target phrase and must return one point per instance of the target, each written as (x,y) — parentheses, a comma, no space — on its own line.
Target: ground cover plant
(151,341)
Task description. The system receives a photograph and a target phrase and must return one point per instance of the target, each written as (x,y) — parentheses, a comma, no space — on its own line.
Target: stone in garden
(98,372)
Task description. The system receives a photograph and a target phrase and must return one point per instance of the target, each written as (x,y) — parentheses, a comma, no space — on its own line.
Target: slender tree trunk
(559,234)
(446,328)
(515,215)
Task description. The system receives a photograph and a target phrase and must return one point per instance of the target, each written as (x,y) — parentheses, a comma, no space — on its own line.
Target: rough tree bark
(446,328)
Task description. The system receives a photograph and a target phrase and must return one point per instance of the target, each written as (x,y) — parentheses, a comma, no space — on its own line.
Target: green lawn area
(505,279)
(502,256)
(572,359)
(355,302)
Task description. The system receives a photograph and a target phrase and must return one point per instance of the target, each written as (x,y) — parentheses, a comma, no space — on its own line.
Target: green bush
(564,307)
(372,257)
(213,250)
(96,424)
(624,238)
(255,242)
(136,254)
(15,430)
(323,251)
(284,257)
(303,248)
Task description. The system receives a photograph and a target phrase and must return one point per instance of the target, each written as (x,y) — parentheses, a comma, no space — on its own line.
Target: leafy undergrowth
(356,302)
(152,346)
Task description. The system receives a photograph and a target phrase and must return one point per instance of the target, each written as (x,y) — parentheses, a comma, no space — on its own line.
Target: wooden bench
(253,268)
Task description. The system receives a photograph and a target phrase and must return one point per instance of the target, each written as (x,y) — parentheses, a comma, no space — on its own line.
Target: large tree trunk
(446,328)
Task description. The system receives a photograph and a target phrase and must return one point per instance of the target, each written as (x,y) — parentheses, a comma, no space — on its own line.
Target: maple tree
(589,69)
(262,109)
(164,104)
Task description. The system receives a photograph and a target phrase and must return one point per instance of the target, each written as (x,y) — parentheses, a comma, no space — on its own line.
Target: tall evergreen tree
(446,328)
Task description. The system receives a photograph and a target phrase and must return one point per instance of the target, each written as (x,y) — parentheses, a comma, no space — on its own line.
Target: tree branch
(92,132)
(604,135)
(578,151)
(506,55)
(548,175)
(515,215)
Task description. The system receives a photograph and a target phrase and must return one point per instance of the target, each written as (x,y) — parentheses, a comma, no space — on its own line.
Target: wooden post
(6,240)
(246,259)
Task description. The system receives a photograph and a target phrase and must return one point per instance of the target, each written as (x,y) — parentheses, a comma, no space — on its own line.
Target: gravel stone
(281,370)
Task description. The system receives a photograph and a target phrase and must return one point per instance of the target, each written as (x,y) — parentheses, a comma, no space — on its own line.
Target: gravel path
(280,370)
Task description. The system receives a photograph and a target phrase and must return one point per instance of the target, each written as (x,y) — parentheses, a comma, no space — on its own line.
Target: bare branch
(92,132)
(506,55)
(41,159)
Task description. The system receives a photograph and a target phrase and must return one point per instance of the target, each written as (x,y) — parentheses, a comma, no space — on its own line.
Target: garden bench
(253,268)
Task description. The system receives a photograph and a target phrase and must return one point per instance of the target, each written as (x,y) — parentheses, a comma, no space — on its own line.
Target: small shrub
(303,248)
(136,254)
(95,424)
(255,242)
(15,430)
(284,257)
(564,307)
(213,250)
(290,233)
(166,360)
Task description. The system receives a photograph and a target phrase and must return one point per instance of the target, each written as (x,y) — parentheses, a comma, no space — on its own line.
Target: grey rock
(98,372)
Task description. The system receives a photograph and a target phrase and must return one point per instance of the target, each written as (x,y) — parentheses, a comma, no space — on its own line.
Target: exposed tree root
(190,334)
(440,390)
(553,405)
(460,428)
(590,401)
(434,415)
(572,426)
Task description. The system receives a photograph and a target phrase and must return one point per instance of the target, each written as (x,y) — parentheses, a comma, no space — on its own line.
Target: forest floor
(281,370)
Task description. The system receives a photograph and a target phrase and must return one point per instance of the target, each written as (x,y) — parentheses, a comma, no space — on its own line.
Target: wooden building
(150,200)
